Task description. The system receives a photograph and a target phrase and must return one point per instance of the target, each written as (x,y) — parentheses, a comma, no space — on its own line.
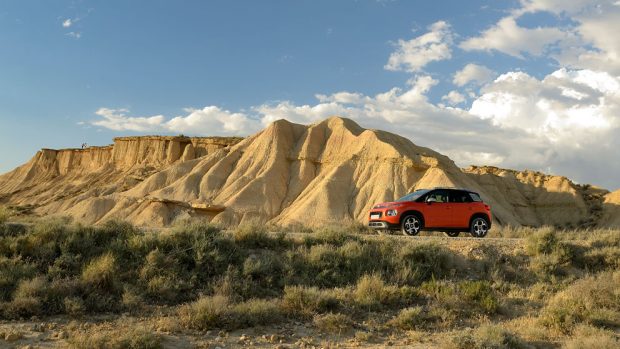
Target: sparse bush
(410,318)
(100,272)
(542,241)
(333,323)
(205,313)
(592,337)
(329,235)
(487,337)
(74,306)
(464,299)
(4,215)
(304,302)
(593,300)
(494,336)
(549,255)
(371,292)
(254,312)
(218,312)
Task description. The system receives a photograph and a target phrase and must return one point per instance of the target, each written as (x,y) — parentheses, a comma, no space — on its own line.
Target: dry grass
(121,338)
(556,282)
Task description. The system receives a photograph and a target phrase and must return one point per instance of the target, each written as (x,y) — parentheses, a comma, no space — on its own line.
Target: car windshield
(414,196)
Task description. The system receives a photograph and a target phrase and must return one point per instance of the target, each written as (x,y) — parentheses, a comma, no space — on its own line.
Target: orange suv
(449,210)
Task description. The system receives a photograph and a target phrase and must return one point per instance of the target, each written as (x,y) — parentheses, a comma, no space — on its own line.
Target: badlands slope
(331,171)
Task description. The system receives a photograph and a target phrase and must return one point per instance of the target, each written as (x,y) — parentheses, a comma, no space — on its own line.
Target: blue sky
(87,71)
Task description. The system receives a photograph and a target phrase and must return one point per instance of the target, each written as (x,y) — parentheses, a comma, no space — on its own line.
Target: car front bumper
(382,225)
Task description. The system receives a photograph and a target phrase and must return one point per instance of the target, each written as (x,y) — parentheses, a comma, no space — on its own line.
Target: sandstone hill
(330,171)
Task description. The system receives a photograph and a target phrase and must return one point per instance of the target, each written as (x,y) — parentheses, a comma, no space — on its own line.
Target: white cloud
(67,23)
(478,74)
(412,55)
(508,37)
(556,6)
(454,98)
(212,120)
(116,119)
(75,35)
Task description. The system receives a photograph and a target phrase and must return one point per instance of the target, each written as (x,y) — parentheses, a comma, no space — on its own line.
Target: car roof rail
(454,188)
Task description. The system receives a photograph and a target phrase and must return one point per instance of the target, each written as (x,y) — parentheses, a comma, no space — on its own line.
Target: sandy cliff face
(331,171)
(611,210)
(57,179)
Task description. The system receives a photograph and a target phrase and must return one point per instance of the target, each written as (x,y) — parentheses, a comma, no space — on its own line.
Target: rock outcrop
(331,171)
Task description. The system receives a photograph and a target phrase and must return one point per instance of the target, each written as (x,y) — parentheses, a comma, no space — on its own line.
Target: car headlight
(391,213)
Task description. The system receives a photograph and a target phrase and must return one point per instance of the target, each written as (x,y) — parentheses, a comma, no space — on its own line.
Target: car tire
(411,225)
(479,227)
(451,234)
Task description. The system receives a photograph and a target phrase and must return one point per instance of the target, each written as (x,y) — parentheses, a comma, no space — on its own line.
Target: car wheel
(411,225)
(451,234)
(479,227)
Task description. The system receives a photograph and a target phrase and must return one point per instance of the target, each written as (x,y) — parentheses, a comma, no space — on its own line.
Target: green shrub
(480,295)
(421,262)
(264,271)
(543,241)
(29,297)
(333,323)
(254,236)
(12,270)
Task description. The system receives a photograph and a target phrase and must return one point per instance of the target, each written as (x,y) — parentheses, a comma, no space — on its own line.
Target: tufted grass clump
(219,312)
(334,323)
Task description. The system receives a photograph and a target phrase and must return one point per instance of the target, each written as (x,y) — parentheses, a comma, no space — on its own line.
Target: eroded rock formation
(331,171)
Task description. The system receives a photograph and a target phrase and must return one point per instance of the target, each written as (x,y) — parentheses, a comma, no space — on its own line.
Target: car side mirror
(430,200)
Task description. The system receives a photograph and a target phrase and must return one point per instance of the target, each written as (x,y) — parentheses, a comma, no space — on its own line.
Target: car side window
(438,195)
(460,196)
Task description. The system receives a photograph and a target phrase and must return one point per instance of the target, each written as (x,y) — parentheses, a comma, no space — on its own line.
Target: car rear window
(475,197)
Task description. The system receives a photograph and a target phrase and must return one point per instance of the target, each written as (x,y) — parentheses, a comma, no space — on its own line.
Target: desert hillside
(330,171)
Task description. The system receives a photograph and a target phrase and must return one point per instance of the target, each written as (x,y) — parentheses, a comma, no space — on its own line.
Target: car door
(437,214)
(462,208)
